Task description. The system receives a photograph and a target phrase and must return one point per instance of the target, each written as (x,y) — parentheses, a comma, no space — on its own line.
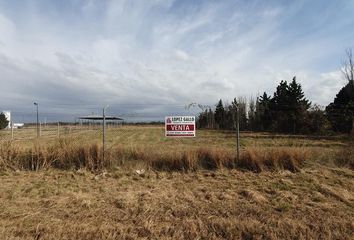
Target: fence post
(58,130)
(12,130)
(238,133)
(103,133)
(40,129)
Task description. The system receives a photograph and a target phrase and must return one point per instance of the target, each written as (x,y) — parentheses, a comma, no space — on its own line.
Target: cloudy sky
(150,58)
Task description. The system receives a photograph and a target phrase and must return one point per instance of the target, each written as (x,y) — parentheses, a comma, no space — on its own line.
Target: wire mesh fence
(86,121)
(125,142)
(147,135)
(137,132)
(54,130)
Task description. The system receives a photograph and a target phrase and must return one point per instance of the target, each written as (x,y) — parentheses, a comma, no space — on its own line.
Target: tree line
(287,110)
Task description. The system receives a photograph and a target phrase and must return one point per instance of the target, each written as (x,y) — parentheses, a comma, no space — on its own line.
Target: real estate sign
(180,126)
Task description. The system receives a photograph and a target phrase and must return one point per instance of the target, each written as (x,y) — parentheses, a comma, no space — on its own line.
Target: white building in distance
(8,117)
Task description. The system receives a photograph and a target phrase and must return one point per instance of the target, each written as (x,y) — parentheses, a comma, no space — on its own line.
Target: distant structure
(98,119)
(8,117)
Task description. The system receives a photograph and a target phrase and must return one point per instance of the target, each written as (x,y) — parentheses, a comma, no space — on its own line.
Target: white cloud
(325,86)
(181,55)
(7,29)
(157,52)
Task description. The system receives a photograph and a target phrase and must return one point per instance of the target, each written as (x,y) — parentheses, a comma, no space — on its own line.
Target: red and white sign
(180,126)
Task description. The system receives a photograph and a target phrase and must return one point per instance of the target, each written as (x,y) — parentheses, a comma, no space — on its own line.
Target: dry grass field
(283,187)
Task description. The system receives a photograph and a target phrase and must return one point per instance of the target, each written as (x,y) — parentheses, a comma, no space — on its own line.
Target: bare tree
(348,66)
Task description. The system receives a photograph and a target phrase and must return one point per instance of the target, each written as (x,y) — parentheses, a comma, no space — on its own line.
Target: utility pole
(35,103)
(103,131)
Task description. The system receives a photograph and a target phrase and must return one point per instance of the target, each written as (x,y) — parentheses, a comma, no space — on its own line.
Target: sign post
(180,126)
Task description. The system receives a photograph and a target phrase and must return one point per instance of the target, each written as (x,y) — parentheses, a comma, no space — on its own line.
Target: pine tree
(289,107)
(229,118)
(252,115)
(280,107)
(264,112)
(219,114)
(341,111)
(3,121)
(281,97)
(298,105)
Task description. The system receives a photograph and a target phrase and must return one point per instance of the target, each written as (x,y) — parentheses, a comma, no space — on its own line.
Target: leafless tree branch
(348,65)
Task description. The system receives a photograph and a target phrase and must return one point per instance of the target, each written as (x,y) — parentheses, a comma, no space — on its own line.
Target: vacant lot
(313,201)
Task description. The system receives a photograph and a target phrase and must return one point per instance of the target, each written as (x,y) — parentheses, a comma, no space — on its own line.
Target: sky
(146,59)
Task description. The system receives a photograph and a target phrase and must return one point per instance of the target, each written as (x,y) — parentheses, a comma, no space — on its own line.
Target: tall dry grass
(345,157)
(65,154)
(192,160)
(273,159)
(9,155)
(69,154)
